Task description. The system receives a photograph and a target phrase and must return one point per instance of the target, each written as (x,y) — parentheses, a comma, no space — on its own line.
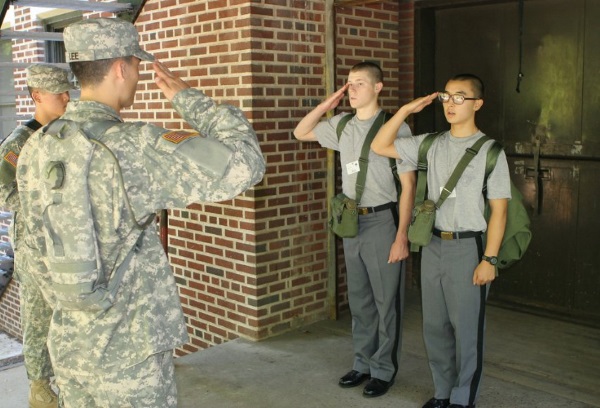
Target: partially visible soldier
(124,356)
(49,88)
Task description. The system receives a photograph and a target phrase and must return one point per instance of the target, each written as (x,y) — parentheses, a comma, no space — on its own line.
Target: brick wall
(256,266)
(25,51)
(375,32)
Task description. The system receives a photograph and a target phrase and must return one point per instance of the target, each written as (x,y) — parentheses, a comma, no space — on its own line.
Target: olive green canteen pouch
(421,225)
(344,216)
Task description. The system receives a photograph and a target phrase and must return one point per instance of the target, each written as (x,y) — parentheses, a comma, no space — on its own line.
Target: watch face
(491,259)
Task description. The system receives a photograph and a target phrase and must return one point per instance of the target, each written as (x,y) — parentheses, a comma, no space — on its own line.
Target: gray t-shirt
(379,185)
(463,210)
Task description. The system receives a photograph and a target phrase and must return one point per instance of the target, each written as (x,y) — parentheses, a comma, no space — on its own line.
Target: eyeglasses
(458,99)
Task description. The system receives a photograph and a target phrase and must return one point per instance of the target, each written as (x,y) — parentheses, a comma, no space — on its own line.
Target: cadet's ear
(478,104)
(36,96)
(118,68)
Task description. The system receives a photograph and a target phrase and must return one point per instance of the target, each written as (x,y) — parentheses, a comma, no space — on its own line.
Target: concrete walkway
(531,361)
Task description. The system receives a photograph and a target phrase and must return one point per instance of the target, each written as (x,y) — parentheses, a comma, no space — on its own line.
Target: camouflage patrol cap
(48,78)
(102,38)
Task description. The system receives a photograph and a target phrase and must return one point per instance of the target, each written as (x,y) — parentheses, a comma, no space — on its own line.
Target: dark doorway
(548,123)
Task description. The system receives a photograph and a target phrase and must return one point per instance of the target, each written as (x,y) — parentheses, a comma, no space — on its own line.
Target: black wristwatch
(491,259)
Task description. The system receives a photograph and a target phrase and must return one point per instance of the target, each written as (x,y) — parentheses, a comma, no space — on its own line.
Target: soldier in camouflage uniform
(123,356)
(49,88)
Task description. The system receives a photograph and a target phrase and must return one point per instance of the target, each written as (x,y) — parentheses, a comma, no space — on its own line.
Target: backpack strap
(99,130)
(422,168)
(469,154)
(342,124)
(363,160)
(340,128)
(103,293)
(393,164)
(490,162)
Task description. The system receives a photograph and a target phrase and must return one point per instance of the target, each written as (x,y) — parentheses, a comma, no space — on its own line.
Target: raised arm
(383,144)
(169,83)
(221,164)
(304,129)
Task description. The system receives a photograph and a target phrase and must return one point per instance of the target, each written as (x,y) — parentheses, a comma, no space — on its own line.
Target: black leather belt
(369,210)
(456,235)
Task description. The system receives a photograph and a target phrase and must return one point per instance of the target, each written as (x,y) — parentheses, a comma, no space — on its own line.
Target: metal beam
(15,117)
(14,93)
(74,5)
(22,65)
(31,35)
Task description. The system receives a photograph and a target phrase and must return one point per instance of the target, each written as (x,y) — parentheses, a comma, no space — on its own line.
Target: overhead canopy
(125,9)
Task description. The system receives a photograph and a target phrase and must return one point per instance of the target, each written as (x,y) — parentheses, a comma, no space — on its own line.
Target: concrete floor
(531,361)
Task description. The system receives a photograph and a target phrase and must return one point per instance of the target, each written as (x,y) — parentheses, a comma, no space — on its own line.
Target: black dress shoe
(460,406)
(376,387)
(437,403)
(352,379)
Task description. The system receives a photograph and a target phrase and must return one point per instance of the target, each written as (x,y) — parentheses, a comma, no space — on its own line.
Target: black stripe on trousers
(480,332)
(398,304)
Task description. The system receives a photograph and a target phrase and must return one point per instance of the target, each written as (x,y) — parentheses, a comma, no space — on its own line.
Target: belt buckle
(446,235)
(363,210)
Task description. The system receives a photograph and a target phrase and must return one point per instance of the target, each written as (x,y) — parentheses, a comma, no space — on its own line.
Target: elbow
(300,136)
(376,148)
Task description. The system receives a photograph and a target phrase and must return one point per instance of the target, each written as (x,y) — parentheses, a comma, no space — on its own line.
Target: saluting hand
(418,104)
(168,82)
(334,99)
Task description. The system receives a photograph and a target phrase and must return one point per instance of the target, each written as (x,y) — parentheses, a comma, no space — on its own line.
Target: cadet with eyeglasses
(48,86)
(123,356)
(457,265)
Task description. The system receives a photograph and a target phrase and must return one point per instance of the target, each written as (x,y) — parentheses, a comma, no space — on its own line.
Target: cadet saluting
(122,356)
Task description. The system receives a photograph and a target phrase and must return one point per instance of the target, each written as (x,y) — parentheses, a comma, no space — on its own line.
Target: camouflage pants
(35,322)
(150,384)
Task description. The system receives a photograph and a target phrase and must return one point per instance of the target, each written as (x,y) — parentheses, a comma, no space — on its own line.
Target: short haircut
(475,81)
(373,69)
(90,73)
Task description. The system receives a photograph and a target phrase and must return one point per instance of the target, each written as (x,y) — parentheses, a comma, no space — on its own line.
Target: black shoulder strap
(33,124)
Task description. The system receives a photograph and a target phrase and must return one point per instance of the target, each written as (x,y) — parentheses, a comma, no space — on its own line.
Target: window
(55,50)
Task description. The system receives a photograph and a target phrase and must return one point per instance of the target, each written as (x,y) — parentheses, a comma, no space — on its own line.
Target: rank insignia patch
(11,157)
(179,136)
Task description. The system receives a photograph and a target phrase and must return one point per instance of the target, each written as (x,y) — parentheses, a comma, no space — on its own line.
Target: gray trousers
(453,317)
(375,295)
